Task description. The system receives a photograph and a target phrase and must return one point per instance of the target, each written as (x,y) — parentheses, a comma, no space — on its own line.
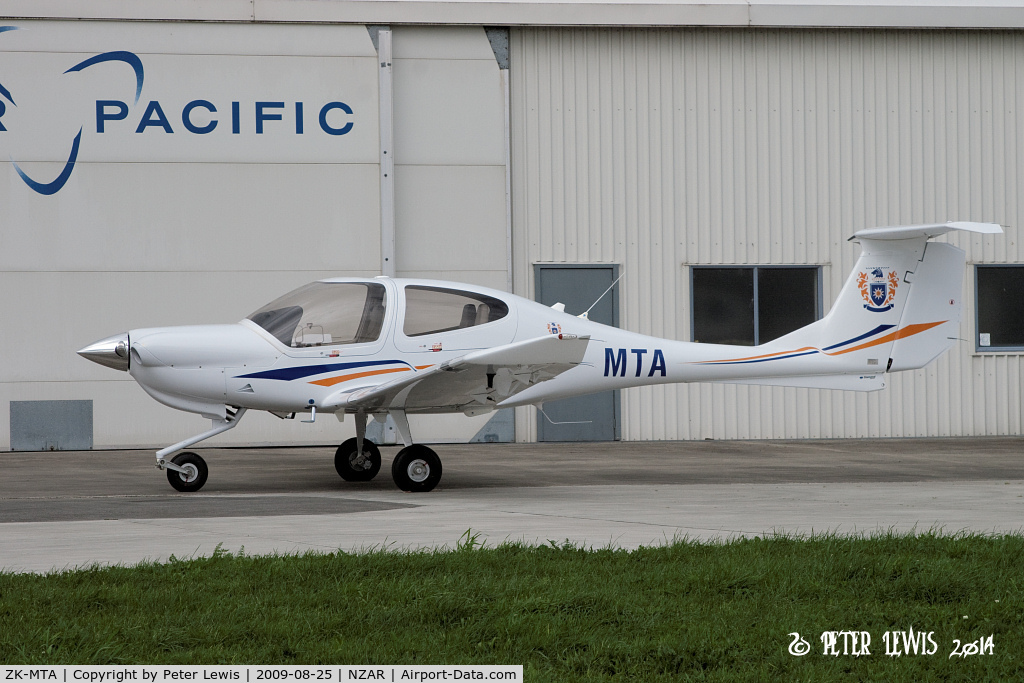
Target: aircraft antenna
(585,314)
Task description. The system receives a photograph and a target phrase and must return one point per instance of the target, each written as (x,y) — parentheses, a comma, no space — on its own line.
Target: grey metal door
(578,286)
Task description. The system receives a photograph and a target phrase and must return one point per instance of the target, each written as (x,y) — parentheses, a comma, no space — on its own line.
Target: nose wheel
(355,466)
(191,476)
(416,469)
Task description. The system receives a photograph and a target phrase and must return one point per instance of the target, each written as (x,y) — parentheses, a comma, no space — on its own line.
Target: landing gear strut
(187,472)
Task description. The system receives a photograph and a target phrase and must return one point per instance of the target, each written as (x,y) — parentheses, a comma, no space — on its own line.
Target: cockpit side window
(430,310)
(326,314)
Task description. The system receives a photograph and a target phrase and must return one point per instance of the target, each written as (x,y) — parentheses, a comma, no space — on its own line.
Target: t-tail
(899,310)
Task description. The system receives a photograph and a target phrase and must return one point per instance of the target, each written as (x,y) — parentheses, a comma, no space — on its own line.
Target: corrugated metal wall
(657,149)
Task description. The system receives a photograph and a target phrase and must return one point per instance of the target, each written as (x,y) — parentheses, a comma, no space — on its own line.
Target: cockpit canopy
(334,313)
(326,313)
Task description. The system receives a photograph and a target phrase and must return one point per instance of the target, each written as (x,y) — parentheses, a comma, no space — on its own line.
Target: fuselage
(205,368)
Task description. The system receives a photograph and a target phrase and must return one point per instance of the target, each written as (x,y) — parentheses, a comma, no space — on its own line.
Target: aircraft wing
(477,381)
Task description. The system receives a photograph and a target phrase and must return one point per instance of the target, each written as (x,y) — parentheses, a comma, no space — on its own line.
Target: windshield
(325,313)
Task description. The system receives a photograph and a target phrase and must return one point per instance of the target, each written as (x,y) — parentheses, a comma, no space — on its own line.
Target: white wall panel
(453,218)
(449,155)
(448,111)
(660,149)
(442,42)
(194,217)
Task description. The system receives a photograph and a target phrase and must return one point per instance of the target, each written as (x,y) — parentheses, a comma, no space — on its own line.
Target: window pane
(323,313)
(1001,305)
(723,305)
(429,310)
(786,300)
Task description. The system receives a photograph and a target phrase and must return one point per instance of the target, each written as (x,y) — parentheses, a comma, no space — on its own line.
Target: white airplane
(385,346)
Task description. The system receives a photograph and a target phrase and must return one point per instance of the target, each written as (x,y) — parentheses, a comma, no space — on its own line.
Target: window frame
(818,290)
(480,297)
(978,348)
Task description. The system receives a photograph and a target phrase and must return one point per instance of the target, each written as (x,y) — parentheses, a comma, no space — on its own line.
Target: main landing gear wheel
(353,467)
(416,469)
(194,476)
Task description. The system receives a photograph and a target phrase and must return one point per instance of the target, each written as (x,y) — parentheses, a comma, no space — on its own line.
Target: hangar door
(584,418)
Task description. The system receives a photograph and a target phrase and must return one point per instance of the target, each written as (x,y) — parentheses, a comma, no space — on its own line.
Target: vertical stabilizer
(931,319)
(899,308)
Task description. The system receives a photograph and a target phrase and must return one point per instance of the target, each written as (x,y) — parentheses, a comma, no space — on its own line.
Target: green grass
(686,611)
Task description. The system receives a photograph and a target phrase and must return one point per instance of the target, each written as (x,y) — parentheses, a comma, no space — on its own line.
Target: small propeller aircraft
(386,346)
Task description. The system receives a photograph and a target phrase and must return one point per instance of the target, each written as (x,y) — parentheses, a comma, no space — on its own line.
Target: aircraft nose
(111,352)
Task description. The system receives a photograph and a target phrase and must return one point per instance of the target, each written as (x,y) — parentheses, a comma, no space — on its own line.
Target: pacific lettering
(154,116)
(323,118)
(190,126)
(102,115)
(262,114)
(200,117)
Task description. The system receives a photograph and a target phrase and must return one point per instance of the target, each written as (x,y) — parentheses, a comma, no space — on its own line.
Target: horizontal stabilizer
(845,382)
(908,232)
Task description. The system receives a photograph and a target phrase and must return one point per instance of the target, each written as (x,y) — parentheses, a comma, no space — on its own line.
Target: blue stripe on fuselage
(880,328)
(300,371)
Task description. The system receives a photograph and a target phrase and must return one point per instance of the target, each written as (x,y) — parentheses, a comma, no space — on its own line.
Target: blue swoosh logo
(129,58)
(54,187)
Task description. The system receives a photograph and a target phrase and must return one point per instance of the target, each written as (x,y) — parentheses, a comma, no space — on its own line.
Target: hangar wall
(658,149)
(170,217)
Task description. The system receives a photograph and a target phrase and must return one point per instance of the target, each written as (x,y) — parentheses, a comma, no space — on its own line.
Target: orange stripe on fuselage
(767,355)
(908,331)
(423,367)
(331,381)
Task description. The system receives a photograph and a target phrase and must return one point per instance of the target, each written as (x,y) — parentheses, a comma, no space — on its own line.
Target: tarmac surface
(71,509)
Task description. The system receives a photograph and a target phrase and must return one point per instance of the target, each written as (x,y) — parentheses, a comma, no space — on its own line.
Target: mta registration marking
(253,674)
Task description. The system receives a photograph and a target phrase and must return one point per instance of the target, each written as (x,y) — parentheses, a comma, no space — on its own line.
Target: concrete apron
(621,516)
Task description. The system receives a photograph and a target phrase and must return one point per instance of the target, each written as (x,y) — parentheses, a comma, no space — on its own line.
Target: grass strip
(688,610)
